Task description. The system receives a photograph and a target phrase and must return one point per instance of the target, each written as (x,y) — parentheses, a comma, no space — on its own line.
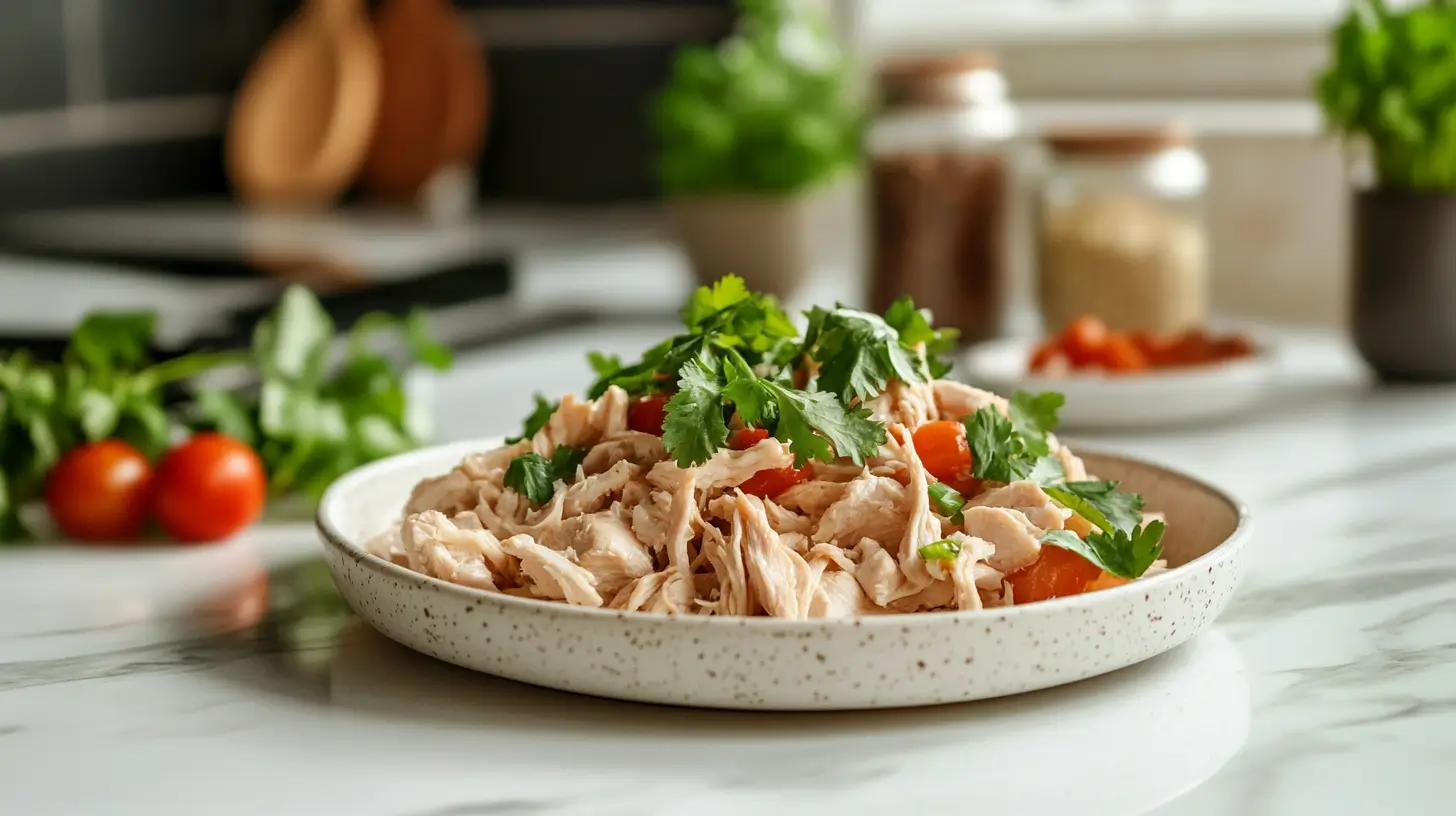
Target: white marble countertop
(226,679)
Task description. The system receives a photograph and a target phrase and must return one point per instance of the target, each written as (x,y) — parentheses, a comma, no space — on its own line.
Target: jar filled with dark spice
(940,185)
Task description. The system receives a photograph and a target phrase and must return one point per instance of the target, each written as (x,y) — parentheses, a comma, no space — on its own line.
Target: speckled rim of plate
(333,538)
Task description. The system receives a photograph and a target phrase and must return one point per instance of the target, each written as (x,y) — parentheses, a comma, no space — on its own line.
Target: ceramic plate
(880,661)
(1096,400)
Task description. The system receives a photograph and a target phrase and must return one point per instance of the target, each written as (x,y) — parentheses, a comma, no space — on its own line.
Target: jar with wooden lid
(1121,230)
(939,187)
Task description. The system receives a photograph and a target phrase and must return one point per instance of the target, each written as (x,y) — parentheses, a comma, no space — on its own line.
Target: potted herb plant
(1391,89)
(752,137)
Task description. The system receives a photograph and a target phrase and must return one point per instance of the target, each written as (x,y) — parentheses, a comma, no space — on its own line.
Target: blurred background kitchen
(521,166)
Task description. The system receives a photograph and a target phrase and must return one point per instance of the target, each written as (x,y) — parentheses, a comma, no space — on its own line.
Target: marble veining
(229,680)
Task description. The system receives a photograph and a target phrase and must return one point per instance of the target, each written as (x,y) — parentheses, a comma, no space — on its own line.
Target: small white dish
(1098,400)
(882,661)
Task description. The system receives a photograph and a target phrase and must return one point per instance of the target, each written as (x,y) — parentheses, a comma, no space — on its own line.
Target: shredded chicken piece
(726,557)
(1030,499)
(839,595)
(448,494)
(438,546)
(491,465)
(552,575)
(780,576)
(954,400)
(641,449)
(964,571)
(870,507)
(1017,540)
(604,546)
(832,554)
(593,493)
(727,468)
(811,498)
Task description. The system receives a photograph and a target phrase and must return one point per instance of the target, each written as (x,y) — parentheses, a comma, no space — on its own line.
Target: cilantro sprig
(1100,503)
(1124,553)
(534,476)
(1011,449)
(859,353)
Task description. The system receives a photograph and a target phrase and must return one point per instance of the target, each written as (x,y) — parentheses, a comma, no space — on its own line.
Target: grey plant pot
(1404,310)
(773,242)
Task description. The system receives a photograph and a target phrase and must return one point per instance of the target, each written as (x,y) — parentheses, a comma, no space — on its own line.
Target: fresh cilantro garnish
(814,423)
(539,416)
(947,500)
(1008,450)
(943,550)
(1100,503)
(859,352)
(916,328)
(694,428)
(534,476)
(603,365)
(1124,553)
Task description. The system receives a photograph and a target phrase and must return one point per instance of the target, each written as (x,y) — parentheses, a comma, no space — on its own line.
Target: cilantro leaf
(754,403)
(943,550)
(106,340)
(859,353)
(1124,553)
(916,327)
(947,500)
(813,421)
(534,476)
(536,420)
(694,428)
(604,365)
(1034,416)
(707,301)
(996,448)
(1100,503)
(1047,470)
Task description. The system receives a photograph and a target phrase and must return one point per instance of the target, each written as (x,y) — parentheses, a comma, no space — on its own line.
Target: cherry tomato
(745,438)
(1083,339)
(1105,581)
(1042,355)
(944,451)
(208,488)
(647,414)
(773,481)
(1120,354)
(1158,351)
(1056,573)
(98,492)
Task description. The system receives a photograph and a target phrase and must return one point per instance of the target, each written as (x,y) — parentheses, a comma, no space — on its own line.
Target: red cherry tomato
(773,481)
(98,492)
(1042,356)
(1056,573)
(1121,355)
(943,450)
(647,414)
(208,488)
(745,438)
(1083,339)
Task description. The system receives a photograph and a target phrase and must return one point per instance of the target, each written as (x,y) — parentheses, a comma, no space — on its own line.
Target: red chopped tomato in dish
(944,451)
(1057,573)
(773,481)
(745,438)
(647,414)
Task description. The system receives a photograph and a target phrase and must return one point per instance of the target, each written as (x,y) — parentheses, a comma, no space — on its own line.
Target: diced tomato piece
(1233,347)
(773,481)
(745,438)
(1105,581)
(1122,355)
(1082,340)
(1041,358)
(647,414)
(943,450)
(1056,573)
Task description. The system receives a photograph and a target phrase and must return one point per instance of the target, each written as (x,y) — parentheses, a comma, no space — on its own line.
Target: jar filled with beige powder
(1121,230)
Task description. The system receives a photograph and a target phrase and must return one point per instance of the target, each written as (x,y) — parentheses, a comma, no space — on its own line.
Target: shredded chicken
(634,531)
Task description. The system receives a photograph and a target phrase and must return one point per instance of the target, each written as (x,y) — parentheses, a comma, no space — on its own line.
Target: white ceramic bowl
(1105,401)
(761,663)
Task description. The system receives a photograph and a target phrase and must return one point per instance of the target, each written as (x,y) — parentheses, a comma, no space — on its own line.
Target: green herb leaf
(535,477)
(604,365)
(943,550)
(1034,416)
(916,327)
(226,412)
(859,353)
(1124,553)
(536,420)
(292,342)
(947,500)
(108,340)
(422,344)
(1100,503)
(997,451)
(694,428)
(97,412)
(707,301)
(813,421)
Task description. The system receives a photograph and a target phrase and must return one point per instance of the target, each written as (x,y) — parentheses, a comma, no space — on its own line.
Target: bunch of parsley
(1008,449)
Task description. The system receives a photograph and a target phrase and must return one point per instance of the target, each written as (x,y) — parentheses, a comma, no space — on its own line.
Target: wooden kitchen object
(434,106)
(302,122)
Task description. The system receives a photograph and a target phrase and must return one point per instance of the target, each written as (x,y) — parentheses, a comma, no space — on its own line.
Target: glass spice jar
(939,186)
(1121,230)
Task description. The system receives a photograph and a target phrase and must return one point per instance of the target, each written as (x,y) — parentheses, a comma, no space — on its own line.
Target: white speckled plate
(758,663)
(1102,401)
